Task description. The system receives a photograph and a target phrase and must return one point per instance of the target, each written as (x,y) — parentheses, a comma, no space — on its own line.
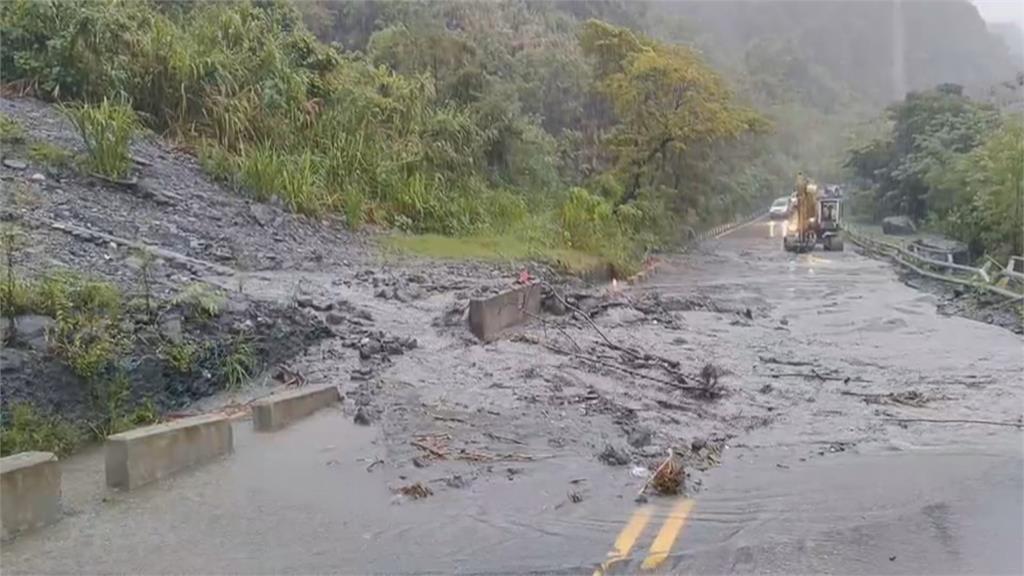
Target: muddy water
(813,478)
(302,501)
(841,315)
(936,511)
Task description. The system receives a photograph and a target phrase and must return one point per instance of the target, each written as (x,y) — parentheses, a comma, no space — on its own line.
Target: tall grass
(106,129)
(275,113)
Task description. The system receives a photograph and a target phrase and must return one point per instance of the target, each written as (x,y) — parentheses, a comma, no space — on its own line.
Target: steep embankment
(118,318)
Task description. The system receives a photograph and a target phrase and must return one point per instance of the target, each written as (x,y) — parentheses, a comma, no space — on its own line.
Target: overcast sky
(1001,11)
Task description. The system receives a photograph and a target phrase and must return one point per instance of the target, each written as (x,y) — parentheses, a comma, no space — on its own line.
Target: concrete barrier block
(29,492)
(146,454)
(279,410)
(489,316)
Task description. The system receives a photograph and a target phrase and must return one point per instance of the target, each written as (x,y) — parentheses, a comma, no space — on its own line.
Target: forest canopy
(951,162)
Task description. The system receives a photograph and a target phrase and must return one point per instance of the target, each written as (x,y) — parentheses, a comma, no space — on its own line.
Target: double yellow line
(662,544)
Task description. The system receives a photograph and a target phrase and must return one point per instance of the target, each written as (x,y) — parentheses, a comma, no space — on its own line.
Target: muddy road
(818,403)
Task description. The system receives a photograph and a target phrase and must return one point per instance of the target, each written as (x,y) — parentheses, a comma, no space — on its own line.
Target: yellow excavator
(815,219)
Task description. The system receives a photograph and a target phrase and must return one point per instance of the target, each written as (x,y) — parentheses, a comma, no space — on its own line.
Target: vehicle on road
(815,219)
(780,208)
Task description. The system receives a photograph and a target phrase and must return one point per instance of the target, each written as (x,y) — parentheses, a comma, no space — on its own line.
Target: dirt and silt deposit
(735,344)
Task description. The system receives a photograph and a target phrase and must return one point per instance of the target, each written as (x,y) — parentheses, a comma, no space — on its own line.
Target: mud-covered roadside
(180,336)
(973,304)
(737,345)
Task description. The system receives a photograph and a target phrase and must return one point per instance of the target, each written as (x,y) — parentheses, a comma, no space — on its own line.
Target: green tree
(666,100)
(985,191)
(928,128)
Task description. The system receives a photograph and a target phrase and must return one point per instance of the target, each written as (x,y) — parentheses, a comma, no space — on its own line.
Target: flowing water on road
(821,356)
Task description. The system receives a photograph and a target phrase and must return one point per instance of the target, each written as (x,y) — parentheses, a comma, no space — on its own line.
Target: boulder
(898,225)
(29,329)
(172,330)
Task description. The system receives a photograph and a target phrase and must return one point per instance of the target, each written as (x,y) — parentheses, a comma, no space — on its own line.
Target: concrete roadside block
(489,316)
(279,410)
(146,454)
(29,492)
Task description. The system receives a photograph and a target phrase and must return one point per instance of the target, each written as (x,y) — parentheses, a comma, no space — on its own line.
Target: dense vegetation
(563,133)
(954,163)
(560,125)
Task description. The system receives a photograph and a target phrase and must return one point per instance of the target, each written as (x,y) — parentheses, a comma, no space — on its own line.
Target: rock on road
(819,474)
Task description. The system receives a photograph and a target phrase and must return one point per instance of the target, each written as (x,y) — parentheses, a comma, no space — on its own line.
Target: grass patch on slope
(494,249)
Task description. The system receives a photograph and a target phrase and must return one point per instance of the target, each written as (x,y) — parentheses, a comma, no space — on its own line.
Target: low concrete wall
(29,492)
(489,316)
(284,408)
(146,454)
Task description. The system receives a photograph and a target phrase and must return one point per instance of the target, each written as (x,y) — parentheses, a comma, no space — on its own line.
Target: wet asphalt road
(824,490)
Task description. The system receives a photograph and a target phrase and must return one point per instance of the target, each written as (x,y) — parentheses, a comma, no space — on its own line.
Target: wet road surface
(821,482)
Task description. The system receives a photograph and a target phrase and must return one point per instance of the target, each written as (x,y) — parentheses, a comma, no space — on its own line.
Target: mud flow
(825,415)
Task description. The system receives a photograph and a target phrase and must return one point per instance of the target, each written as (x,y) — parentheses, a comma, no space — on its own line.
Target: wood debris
(290,378)
(416,491)
(667,479)
(437,447)
(907,398)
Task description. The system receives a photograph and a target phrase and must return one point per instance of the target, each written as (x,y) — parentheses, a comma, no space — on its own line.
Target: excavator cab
(816,218)
(829,227)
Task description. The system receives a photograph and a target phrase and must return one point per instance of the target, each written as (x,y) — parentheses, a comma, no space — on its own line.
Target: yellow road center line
(626,539)
(667,536)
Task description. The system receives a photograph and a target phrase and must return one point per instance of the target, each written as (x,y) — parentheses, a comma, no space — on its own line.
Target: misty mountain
(874,50)
(1012,35)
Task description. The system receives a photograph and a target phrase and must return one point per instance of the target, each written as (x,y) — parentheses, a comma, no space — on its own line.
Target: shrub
(587,221)
(199,301)
(110,398)
(26,430)
(88,333)
(49,155)
(238,364)
(89,344)
(10,131)
(107,130)
(182,356)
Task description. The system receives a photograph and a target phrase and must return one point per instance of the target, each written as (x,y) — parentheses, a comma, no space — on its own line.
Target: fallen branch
(500,438)
(580,312)
(485,457)
(958,421)
(598,361)
(447,418)
(645,356)
(774,360)
(816,375)
(656,472)
(544,323)
(434,451)
(908,398)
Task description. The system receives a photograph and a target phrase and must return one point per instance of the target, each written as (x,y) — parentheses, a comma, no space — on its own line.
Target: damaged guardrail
(981,278)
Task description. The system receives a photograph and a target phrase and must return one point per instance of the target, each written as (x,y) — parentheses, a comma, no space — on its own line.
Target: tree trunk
(634,188)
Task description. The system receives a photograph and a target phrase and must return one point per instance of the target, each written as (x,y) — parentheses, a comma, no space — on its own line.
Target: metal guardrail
(1011,267)
(938,269)
(724,228)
